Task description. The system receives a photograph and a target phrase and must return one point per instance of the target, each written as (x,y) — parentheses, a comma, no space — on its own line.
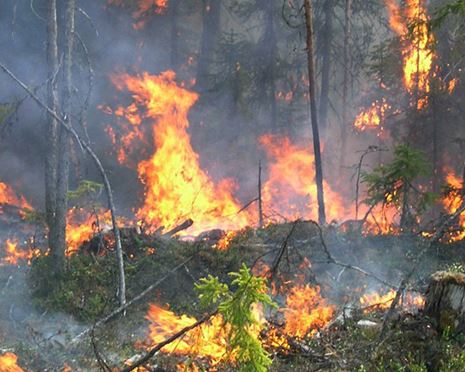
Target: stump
(445,301)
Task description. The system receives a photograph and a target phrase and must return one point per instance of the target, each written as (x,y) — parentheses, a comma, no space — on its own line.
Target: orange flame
(9,196)
(176,188)
(452,202)
(143,9)
(417,51)
(290,189)
(209,340)
(8,363)
(14,255)
(375,301)
(371,117)
(306,311)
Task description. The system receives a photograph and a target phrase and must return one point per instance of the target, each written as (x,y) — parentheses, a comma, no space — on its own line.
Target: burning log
(445,300)
(185,225)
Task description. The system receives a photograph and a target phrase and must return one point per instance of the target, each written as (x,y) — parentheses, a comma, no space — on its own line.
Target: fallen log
(185,225)
(445,301)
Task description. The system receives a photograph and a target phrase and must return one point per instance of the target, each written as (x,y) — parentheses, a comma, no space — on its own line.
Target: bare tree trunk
(211,14)
(345,84)
(64,143)
(260,205)
(326,62)
(314,116)
(51,164)
(85,146)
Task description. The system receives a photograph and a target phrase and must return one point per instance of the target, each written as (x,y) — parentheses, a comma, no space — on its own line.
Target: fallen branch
(85,146)
(282,250)
(185,225)
(169,340)
(133,301)
(332,260)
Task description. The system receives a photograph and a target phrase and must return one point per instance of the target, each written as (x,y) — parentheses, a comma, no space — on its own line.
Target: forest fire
(8,363)
(371,117)
(417,53)
(290,190)
(176,188)
(9,197)
(15,255)
(376,301)
(143,9)
(306,311)
(208,341)
(452,202)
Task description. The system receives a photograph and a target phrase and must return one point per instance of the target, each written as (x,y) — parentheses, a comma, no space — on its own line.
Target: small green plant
(392,185)
(86,188)
(236,310)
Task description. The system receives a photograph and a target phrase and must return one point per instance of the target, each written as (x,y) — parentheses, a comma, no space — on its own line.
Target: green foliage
(391,184)
(236,309)
(86,188)
(455,267)
(454,8)
(85,290)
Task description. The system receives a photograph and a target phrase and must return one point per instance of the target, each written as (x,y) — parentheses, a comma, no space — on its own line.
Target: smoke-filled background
(247,62)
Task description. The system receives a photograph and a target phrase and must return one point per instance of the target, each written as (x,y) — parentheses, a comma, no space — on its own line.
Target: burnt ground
(40,315)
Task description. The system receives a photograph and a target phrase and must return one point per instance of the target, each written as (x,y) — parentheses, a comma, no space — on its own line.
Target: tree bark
(326,62)
(86,147)
(445,301)
(211,14)
(314,116)
(51,165)
(345,84)
(64,142)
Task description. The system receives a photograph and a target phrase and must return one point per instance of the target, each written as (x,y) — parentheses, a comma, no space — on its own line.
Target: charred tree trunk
(211,14)
(51,165)
(345,84)
(314,116)
(445,301)
(326,62)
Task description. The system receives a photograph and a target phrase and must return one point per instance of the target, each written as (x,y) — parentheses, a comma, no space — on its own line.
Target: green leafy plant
(85,188)
(236,308)
(392,184)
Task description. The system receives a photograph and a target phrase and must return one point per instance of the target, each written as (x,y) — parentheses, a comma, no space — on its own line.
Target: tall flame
(290,190)
(176,188)
(417,43)
(306,311)
(452,202)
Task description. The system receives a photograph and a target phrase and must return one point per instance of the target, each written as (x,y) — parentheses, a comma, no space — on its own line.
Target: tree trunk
(445,301)
(64,146)
(345,84)
(314,116)
(326,62)
(211,14)
(51,165)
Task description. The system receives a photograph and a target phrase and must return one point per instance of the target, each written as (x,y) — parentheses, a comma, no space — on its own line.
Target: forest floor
(40,325)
